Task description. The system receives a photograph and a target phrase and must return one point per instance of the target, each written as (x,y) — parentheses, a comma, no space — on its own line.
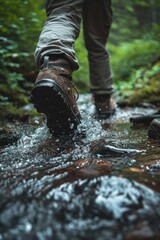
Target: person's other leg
(97,19)
(52,93)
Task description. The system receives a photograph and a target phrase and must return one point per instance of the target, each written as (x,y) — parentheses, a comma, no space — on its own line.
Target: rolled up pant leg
(97,18)
(60,30)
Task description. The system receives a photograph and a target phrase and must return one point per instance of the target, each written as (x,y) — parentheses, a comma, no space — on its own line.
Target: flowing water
(81,188)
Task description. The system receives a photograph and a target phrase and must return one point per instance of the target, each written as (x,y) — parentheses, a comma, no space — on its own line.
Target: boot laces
(45,65)
(76,95)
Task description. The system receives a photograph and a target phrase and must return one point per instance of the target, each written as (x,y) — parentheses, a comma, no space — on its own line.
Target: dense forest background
(133,44)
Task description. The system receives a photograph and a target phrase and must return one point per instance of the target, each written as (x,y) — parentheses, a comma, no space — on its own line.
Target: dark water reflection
(63,189)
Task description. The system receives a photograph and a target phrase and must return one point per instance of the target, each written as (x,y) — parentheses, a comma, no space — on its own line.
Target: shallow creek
(82,188)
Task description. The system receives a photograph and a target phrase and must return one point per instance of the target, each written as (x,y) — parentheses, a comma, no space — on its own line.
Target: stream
(103,184)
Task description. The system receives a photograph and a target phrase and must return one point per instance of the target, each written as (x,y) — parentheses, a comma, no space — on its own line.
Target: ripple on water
(99,208)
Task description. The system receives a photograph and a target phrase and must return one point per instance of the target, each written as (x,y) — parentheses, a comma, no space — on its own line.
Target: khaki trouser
(62,28)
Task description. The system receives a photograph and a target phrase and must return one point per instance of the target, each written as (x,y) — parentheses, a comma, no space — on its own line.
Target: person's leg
(52,93)
(97,19)
(60,30)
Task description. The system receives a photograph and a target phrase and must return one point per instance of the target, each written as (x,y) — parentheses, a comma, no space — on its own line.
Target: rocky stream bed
(103,185)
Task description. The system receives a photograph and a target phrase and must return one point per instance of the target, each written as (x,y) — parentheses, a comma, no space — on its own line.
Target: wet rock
(144,120)
(142,232)
(99,208)
(102,148)
(154,129)
(154,167)
(8,136)
(108,150)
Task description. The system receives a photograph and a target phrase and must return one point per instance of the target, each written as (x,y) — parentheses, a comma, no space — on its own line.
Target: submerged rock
(99,208)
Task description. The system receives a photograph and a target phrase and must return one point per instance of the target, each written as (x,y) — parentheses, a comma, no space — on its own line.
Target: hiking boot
(53,95)
(105,105)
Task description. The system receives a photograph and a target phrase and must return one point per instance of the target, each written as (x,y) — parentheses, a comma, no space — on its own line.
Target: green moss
(11,112)
(147,88)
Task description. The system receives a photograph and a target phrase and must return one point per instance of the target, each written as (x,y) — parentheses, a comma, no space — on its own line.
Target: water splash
(92,128)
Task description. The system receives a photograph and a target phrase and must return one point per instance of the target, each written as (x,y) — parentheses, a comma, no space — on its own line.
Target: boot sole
(50,99)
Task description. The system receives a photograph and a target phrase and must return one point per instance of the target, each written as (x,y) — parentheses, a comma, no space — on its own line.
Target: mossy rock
(149,92)
(8,136)
(11,112)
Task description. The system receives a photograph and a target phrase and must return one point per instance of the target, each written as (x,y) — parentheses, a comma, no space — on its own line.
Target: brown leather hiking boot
(105,105)
(53,95)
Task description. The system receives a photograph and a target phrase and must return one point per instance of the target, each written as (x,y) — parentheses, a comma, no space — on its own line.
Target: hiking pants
(62,28)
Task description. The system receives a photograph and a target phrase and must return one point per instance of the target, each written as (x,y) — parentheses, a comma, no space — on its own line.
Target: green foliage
(146,86)
(125,23)
(128,57)
(81,77)
(22,22)
(134,44)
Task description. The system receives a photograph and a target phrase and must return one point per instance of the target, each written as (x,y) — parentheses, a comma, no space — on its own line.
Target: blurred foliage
(81,77)
(133,44)
(21,23)
(129,57)
(146,86)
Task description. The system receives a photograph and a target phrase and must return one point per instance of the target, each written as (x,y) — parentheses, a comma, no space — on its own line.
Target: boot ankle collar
(59,64)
